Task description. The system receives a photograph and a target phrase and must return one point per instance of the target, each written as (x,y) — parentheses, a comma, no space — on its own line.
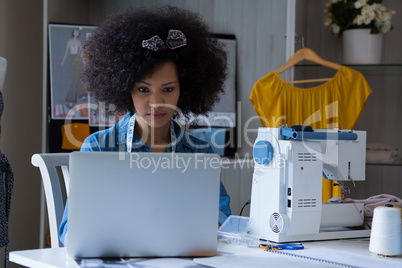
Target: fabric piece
(338,103)
(375,201)
(6,188)
(73,135)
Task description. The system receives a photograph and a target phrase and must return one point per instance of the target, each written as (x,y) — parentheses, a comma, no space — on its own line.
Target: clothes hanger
(307,54)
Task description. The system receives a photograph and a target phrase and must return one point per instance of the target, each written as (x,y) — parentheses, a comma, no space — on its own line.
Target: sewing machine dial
(263,152)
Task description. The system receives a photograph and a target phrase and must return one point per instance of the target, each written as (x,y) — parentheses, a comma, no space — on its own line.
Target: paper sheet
(138,263)
(327,259)
(258,260)
(367,261)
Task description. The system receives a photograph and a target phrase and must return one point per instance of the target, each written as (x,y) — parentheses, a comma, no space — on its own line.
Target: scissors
(290,246)
(282,246)
(269,247)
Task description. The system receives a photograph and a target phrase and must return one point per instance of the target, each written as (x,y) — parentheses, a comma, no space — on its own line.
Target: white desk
(44,258)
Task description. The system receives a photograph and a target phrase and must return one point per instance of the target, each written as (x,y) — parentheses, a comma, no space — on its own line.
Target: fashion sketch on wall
(68,97)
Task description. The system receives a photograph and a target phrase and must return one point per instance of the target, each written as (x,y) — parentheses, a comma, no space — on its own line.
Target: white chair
(48,163)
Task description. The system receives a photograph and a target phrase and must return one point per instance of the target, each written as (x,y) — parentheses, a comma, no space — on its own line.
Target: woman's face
(76,33)
(155,97)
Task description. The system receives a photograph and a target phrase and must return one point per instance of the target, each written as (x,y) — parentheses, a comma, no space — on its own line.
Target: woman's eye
(168,89)
(143,89)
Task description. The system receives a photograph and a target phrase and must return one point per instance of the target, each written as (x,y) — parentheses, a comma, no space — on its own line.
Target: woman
(154,64)
(73,48)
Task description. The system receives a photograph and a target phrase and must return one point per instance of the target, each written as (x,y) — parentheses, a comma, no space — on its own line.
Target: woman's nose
(156,100)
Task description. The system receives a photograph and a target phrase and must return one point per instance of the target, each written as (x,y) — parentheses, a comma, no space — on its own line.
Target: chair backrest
(47,164)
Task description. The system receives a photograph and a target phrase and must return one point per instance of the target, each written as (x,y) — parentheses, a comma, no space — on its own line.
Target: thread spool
(386,231)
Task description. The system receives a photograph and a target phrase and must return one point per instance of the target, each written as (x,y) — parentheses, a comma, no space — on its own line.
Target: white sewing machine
(286,196)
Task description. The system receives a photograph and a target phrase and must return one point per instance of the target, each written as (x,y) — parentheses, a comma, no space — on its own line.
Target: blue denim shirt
(114,139)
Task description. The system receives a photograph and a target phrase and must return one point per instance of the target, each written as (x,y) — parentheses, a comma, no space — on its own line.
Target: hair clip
(175,39)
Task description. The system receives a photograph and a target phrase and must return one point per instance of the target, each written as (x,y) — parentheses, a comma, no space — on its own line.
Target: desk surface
(358,249)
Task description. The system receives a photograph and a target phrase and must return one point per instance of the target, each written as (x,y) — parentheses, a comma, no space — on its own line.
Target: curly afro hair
(114,58)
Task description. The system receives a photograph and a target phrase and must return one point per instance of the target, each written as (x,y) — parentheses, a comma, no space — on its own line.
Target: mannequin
(7,177)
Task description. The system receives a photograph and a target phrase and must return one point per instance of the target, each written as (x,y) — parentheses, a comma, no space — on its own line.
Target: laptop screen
(143,204)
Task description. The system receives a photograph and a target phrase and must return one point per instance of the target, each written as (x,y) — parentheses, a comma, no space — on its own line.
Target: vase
(361,47)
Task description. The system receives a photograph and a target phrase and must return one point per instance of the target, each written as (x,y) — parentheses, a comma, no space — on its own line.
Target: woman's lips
(156,115)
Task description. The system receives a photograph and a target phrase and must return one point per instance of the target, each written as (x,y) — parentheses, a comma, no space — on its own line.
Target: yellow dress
(337,103)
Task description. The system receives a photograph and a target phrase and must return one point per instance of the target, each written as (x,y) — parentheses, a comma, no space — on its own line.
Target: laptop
(143,204)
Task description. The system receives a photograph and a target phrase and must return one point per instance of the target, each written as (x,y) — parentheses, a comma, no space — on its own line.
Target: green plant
(341,15)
